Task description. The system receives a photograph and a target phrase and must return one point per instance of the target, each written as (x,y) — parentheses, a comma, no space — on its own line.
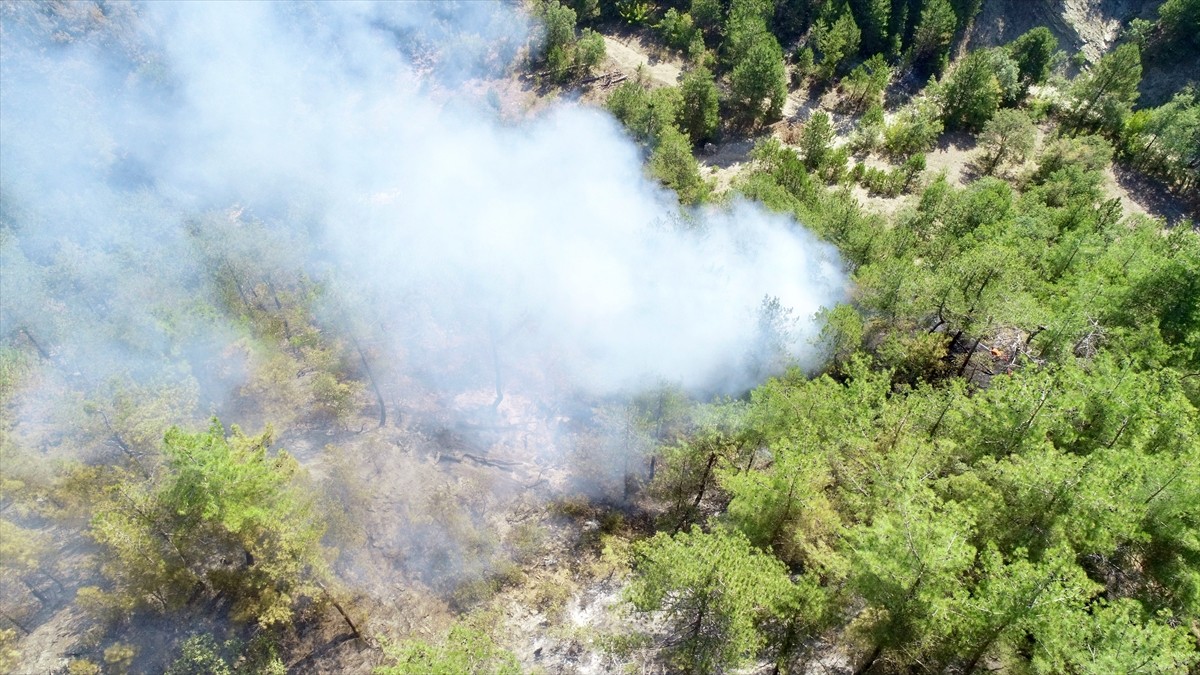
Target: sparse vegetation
(981,455)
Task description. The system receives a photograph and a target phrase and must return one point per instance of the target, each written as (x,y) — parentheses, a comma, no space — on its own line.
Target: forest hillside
(597,336)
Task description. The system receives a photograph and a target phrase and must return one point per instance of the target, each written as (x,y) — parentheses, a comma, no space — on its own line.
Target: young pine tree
(718,593)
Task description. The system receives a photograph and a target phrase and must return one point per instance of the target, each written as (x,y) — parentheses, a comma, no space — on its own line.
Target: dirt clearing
(628,52)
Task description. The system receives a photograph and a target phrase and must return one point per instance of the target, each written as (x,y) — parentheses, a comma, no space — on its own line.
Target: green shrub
(677,29)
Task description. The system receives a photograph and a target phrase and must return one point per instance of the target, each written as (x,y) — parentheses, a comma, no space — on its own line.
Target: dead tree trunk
(287,329)
(374,384)
(237,283)
(340,610)
(16,623)
(362,356)
(866,666)
(496,371)
(120,441)
(970,352)
(712,459)
(29,336)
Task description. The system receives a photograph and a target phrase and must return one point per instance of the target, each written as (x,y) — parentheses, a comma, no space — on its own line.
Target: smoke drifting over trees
(334,337)
(339,142)
(315,216)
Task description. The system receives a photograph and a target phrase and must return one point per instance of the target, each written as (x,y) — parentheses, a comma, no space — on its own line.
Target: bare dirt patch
(887,206)
(954,152)
(801,103)
(724,161)
(729,153)
(628,53)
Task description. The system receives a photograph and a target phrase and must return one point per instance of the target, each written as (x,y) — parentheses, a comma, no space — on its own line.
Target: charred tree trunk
(625,478)
(712,459)
(20,626)
(954,340)
(36,345)
(1019,432)
(866,666)
(158,529)
(346,617)
(374,383)
(237,283)
(1070,260)
(941,416)
(116,438)
(994,159)
(35,592)
(698,624)
(498,381)
(1162,487)
(1120,431)
(994,635)
(397,411)
(340,610)
(750,459)
(940,322)
(287,329)
(787,512)
(51,577)
(629,484)
(785,650)
(970,352)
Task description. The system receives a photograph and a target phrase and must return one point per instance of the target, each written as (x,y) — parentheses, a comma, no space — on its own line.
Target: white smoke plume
(353,132)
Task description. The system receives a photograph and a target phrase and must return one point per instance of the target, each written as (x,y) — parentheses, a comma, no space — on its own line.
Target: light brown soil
(627,53)
(724,161)
(801,103)
(887,206)
(954,153)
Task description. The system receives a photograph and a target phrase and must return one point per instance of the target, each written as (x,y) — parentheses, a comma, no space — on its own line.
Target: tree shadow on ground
(1155,197)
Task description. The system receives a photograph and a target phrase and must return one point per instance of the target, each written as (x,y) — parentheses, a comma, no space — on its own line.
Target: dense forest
(589,336)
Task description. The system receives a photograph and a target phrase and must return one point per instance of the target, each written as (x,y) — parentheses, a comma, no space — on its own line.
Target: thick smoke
(178,181)
(361,136)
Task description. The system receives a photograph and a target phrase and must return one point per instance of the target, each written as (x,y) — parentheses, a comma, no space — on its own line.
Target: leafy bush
(634,12)
(1033,53)
(645,113)
(236,521)
(202,655)
(915,129)
(698,116)
(589,51)
(673,165)
(865,85)
(837,37)
(677,29)
(815,139)
(868,134)
(803,66)
(758,81)
(469,648)
(977,87)
(1006,138)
